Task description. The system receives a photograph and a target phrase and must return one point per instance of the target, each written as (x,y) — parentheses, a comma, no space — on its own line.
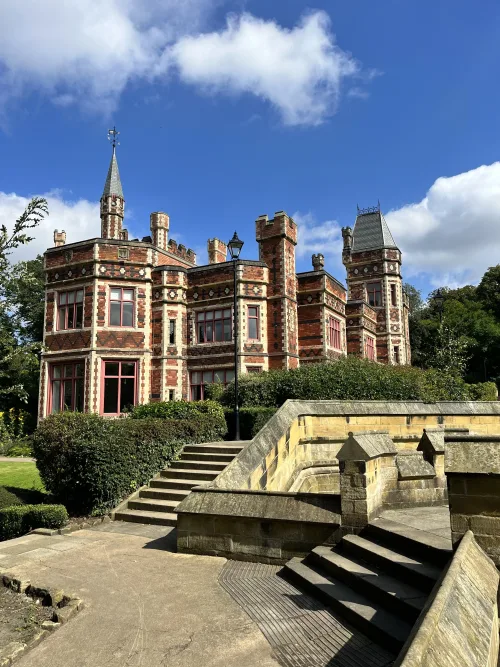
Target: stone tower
(113,204)
(373,263)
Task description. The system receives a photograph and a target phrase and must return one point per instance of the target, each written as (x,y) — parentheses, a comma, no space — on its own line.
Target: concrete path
(435,520)
(16,459)
(145,605)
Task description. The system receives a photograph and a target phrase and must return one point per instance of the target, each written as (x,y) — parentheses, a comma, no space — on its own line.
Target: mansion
(130,321)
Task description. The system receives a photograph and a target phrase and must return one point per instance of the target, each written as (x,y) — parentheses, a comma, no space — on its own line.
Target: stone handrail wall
(315,430)
(459,624)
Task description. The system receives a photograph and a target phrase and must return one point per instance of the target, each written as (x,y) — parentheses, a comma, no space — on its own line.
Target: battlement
(180,250)
(282,225)
(217,251)
(59,238)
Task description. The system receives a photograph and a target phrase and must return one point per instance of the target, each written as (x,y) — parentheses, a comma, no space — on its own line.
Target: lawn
(23,480)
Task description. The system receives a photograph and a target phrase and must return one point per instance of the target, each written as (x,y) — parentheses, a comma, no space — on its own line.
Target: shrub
(483,391)
(251,421)
(20,519)
(90,463)
(349,378)
(7,498)
(186,410)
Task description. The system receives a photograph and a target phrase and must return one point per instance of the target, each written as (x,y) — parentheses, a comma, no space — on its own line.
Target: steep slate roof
(371,232)
(113,185)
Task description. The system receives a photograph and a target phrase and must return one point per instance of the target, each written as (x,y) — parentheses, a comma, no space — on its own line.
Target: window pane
(128,314)
(57,371)
(196,393)
(200,317)
(79,296)
(127,393)
(128,368)
(62,298)
(79,395)
(79,370)
(56,396)
(209,331)
(116,294)
(114,317)
(218,330)
(229,376)
(61,323)
(252,328)
(68,371)
(111,395)
(71,297)
(218,314)
(207,377)
(195,377)
(201,332)
(71,317)
(227,312)
(227,330)
(209,315)
(252,311)
(68,395)
(79,316)
(218,376)
(128,294)
(111,368)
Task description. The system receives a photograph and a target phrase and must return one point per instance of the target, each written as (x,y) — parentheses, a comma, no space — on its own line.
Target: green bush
(350,378)
(90,463)
(251,421)
(483,391)
(7,498)
(185,410)
(20,519)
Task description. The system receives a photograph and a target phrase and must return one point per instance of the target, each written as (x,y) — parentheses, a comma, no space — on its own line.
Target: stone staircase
(377,581)
(198,464)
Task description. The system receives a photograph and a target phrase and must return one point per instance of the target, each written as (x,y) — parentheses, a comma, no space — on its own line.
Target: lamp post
(235,245)
(438,299)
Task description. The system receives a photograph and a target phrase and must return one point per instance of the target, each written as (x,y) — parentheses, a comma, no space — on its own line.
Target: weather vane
(113,137)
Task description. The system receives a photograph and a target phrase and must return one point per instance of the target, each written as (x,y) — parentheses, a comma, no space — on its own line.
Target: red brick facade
(145,315)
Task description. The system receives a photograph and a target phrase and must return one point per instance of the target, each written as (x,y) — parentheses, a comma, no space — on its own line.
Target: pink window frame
(335,333)
(213,321)
(119,376)
(370,348)
(374,291)
(66,307)
(253,317)
(121,301)
(203,384)
(62,380)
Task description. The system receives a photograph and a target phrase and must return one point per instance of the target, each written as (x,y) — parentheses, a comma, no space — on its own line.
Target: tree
(450,353)
(416,302)
(34,213)
(488,290)
(24,293)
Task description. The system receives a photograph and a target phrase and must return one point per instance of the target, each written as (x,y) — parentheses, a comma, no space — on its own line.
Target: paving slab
(435,520)
(145,606)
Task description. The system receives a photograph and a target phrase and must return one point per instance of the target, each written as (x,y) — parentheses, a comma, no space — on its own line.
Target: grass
(23,480)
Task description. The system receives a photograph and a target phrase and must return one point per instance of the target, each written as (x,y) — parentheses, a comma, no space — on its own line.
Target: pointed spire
(113,185)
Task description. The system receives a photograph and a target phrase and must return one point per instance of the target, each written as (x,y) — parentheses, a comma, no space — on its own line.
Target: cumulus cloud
(298,71)
(87,52)
(453,235)
(319,237)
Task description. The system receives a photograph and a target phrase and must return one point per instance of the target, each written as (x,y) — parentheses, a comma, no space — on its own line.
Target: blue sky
(228,110)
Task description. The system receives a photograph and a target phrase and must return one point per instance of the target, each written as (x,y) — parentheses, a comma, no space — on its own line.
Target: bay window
(66,386)
(121,308)
(214,326)
(370,348)
(199,380)
(374,294)
(70,310)
(119,386)
(334,333)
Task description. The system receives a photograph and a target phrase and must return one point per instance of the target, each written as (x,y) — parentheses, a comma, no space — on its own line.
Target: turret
(112,200)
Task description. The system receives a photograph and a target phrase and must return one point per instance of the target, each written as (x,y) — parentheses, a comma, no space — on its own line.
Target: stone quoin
(129,321)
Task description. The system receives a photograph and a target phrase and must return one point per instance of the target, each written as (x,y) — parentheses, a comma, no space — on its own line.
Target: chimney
(217,251)
(159,225)
(124,235)
(318,262)
(59,238)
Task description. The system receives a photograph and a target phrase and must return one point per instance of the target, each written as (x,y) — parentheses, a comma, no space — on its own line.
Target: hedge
(185,410)
(20,519)
(7,498)
(90,463)
(251,421)
(350,378)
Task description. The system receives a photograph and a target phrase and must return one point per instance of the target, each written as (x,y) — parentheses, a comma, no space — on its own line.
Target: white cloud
(299,71)
(80,219)
(319,237)
(453,234)
(86,52)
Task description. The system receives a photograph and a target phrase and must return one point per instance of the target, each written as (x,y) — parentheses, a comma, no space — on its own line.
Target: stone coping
(472,455)
(366,445)
(239,470)
(459,623)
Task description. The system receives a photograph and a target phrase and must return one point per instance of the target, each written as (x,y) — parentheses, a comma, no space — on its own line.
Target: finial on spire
(113,137)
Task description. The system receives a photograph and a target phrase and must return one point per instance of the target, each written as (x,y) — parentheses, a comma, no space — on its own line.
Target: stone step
(199,465)
(397,597)
(153,505)
(416,572)
(222,448)
(156,518)
(372,619)
(409,541)
(207,456)
(197,475)
(171,483)
(165,494)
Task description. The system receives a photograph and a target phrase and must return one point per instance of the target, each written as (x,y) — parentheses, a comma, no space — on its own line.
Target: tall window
(214,326)
(394,301)
(121,310)
(199,380)
(120,386)
(171,332)
(374,293)
(66,386)
(370,348)
(70,310)
(397,359)
(253,323)
(334,333)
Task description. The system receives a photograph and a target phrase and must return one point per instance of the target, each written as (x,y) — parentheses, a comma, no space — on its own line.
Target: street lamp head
(235,245)
(438,298)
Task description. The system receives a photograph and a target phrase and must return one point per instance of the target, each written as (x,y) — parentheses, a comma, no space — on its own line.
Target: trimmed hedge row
(350,378)
(20,519)
(90,463)
(251,421)
(185,410)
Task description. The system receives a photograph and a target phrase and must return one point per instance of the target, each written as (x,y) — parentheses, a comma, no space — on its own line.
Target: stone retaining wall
(459,624)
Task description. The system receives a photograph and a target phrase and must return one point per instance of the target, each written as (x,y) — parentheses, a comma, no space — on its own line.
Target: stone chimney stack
(217,251)
(318,262)
(159,224)
(59,238)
